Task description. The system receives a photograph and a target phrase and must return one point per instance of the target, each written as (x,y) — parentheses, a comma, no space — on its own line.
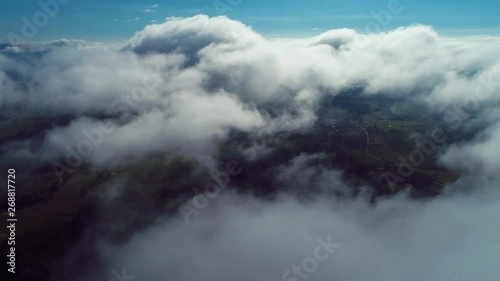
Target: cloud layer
(183,86)
(190,80)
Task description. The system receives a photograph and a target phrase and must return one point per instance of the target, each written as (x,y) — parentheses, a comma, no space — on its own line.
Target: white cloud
(257,240)
(198,56)
(214,75)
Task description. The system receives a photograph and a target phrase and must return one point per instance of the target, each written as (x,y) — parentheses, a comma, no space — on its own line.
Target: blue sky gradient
(117,20)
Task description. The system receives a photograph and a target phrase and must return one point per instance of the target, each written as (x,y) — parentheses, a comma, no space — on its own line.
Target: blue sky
(116,20)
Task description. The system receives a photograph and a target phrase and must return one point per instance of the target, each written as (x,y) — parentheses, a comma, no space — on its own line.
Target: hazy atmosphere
(250,140)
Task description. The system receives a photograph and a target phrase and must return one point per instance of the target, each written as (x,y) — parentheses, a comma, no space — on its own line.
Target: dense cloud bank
(255,240)
(183,86)
(190,80)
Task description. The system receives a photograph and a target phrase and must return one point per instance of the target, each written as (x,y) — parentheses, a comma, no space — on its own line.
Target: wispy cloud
(134,19)
(194,11)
